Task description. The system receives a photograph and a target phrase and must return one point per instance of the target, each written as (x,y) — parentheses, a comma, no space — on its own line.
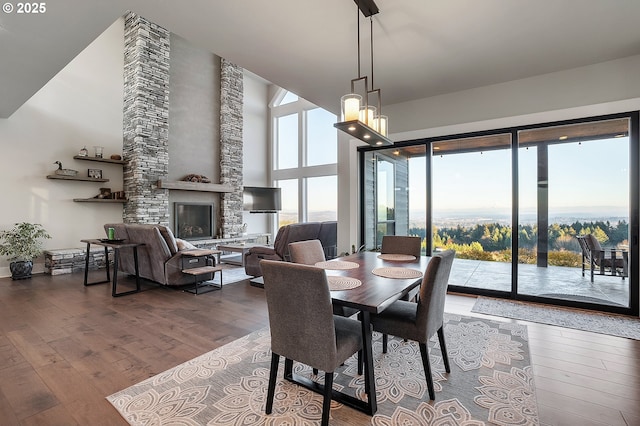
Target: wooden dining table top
(376,292)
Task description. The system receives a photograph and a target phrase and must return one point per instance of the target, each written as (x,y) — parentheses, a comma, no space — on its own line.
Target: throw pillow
(184,245)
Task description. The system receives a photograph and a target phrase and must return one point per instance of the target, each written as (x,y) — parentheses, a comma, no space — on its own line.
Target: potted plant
(21,245)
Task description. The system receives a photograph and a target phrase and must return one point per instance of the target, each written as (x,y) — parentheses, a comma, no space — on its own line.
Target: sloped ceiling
(422,48)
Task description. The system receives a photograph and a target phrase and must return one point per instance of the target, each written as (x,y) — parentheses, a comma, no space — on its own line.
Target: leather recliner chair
(326,232)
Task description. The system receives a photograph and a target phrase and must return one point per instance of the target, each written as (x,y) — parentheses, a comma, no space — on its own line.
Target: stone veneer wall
(231,119)
(146,120)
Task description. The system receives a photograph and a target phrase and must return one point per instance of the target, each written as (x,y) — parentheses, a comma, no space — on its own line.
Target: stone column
(146,120)
(231,120)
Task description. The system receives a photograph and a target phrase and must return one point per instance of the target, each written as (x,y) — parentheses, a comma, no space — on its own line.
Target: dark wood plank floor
(64,348)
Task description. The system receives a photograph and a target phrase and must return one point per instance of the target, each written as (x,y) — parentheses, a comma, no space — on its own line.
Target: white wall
(255,131)
(81,105)
(605,88)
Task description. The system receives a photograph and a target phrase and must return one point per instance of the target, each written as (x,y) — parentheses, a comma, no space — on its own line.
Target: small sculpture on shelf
(196,178)
(64,172)
(83,152)
(105,193)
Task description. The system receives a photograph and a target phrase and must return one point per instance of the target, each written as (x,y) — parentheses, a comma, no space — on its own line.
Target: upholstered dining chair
(303,327)
(309,253)
(402,244)
(419,321)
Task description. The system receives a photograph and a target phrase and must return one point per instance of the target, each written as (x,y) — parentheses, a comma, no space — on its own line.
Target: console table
(115,246)
(235,248)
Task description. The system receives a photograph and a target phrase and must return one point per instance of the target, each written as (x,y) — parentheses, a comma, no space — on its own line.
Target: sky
(591,175)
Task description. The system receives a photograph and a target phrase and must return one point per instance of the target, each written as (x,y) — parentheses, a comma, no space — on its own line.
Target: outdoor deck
(552,281)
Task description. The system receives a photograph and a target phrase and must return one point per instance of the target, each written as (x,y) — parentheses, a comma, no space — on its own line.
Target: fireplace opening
(194,221)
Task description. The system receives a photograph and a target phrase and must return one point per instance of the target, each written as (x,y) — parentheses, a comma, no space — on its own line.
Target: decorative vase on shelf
(83,152)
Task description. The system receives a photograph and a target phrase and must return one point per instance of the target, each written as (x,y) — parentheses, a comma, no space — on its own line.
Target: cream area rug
(491,383)
(596,322)
(231,275)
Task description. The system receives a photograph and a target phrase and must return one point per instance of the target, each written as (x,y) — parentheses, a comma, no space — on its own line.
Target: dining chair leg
(326,402)
(288,368)
(426,363)
(443,348)
(275,361)
(385,340)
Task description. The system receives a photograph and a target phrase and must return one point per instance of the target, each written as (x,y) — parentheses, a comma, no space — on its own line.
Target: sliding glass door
(574,182)
(558,187)
(471,208)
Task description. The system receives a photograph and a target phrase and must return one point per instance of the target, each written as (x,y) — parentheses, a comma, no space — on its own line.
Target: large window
(304,159)
(517,205)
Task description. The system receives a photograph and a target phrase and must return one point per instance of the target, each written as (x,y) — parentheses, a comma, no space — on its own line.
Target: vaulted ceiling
(422,48)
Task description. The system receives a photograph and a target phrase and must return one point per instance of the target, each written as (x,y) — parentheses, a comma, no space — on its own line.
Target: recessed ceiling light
(563,137)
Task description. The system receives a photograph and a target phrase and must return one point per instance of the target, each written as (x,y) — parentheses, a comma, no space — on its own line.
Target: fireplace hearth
(194,221)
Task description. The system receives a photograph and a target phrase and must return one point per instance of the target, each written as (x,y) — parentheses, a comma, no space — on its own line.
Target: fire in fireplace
(194,221)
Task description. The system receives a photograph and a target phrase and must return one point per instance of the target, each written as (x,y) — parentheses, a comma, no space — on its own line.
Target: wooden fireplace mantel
(195,186)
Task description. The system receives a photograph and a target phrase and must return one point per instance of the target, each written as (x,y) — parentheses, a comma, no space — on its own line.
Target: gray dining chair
(303,327)
(419,321)
(307,252)
(403,244)
(311,252)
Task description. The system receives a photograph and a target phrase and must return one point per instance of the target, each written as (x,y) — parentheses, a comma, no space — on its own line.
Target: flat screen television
(261,199)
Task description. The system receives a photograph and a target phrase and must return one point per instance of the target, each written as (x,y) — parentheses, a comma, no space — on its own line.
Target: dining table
(369,282)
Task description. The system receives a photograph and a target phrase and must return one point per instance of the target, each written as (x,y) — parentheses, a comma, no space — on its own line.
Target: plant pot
(21,269)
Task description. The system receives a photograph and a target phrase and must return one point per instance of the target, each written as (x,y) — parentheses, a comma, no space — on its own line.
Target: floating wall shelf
(98,200)
(99,160)
(86,179)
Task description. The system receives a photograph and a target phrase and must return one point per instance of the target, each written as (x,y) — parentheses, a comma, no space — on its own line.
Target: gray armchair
(303,327)
(419,321)
(326,232)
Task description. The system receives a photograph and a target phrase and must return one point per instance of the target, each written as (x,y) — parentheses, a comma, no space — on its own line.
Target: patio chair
(594,257)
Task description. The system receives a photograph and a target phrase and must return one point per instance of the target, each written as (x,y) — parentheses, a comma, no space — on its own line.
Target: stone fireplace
(146,131)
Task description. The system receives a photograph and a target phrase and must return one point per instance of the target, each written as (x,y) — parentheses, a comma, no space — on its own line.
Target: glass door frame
(634,209)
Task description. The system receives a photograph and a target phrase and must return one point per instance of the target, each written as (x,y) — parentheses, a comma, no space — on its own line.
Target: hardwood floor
(64,348)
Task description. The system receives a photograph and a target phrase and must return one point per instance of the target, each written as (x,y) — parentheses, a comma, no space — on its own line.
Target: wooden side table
(197,259)
(115,246)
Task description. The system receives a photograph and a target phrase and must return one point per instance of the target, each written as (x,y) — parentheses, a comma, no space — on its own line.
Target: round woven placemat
(342,283)
(397,257)
(396,272)
(337,264)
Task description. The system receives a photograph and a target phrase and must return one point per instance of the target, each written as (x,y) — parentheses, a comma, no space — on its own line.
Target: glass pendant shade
(380,124)
(350,106)
(366,115)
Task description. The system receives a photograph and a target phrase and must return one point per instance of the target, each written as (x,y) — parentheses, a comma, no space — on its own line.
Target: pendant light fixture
(359,118)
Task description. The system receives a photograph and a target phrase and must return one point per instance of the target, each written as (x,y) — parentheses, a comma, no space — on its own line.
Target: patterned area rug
(491,382)
(596,322)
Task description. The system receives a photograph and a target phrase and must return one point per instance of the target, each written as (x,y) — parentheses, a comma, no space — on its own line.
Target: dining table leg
(369,378)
